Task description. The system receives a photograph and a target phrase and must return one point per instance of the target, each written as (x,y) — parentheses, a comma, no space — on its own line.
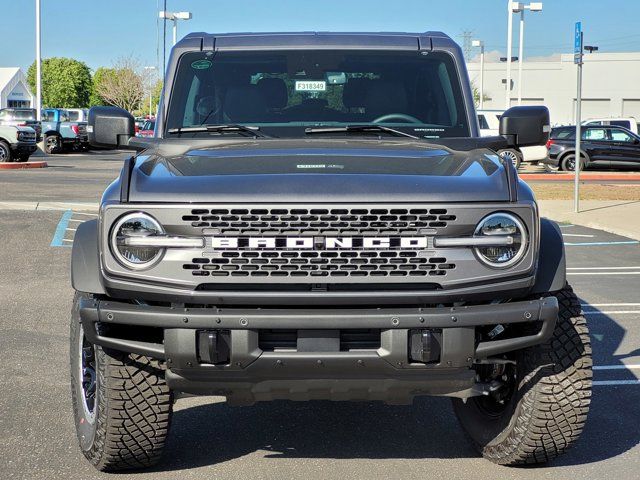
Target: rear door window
(595,134)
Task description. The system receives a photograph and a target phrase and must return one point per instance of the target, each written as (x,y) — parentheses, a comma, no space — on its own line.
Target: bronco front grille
(302,221)
(291,263)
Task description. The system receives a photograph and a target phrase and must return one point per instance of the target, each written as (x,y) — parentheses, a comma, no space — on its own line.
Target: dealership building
(14,90)
(610,88)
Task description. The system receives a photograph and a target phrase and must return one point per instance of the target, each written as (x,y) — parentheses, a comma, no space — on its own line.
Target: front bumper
(385,373)
(24,147)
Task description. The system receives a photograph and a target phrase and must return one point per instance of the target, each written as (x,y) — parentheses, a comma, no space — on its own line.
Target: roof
(337,40)
(7,74)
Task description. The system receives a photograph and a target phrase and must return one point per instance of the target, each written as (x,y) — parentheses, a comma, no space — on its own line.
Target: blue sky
(98,32)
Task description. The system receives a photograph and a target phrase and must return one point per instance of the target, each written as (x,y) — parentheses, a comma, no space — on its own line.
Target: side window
(47,116)
(594,134)
(620,123)
(483,122)
(618,135)
(64,116)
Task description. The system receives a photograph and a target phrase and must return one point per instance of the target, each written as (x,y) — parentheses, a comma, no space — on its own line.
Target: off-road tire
(5,152)
(548,410)
(132,410)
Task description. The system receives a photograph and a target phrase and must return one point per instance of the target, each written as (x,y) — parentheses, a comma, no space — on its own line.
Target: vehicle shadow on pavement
(612,425)
(213,433)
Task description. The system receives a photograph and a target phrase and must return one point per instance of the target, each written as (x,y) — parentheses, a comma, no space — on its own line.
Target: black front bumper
(384,373)
(21,148)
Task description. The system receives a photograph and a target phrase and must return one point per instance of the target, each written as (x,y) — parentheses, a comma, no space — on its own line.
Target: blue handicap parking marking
(59,239)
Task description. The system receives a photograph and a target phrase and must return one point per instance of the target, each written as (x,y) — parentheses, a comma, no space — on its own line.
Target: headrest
(244,104)
(273,91)
(385,96)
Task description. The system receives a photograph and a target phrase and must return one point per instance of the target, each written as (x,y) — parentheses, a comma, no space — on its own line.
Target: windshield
(285,92)
(18,114)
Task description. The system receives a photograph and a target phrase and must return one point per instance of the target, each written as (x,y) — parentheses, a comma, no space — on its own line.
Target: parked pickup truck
(16,143)
(60,133)
(318,217)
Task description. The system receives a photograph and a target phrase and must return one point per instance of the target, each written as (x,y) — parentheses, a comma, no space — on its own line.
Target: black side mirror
(525,126)
(110,127)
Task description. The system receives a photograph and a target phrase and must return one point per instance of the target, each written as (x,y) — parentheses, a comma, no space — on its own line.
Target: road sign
(577,43)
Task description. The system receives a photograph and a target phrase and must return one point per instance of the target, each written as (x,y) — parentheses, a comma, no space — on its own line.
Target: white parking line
(610,304)
(617,367)
(84,213)
(577,235)
(602,383)
(603,273)
(566,225)
(603,268)
(610,312)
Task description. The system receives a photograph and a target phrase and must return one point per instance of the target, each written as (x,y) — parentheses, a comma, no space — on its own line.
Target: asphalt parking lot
(282,439)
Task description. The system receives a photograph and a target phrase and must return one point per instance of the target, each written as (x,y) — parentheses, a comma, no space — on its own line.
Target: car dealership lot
(281,439)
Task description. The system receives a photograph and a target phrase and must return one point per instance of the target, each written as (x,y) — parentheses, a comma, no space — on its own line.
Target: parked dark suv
(317,217)
(600,147)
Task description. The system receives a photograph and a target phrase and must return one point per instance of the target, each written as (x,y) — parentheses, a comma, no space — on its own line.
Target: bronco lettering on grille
(317,243)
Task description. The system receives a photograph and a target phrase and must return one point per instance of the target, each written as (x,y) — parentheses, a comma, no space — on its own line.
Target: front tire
(5,152)
(545,410)
(121,403)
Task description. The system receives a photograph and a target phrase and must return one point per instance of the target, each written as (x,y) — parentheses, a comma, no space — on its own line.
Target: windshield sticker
(201,64)
(311,86)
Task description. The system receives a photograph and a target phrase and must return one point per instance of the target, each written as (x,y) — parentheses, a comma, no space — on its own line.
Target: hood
(319,171)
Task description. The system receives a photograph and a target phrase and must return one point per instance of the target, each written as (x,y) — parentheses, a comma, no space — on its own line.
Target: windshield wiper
(360,128)
(233,128)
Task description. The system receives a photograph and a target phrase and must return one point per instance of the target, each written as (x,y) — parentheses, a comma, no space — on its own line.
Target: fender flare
(85,259)
(552,265)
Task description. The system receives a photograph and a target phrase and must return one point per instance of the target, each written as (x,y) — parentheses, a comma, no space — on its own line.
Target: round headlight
(502,225)
(135,225)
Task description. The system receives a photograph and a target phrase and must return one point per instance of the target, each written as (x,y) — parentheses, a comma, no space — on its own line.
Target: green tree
(66,83)
(123,85)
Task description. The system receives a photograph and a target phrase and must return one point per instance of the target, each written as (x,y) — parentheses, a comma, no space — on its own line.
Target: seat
(384,97)
(274,93)
(244,104)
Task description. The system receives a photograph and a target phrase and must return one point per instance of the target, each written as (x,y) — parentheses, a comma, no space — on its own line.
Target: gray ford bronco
(317,218)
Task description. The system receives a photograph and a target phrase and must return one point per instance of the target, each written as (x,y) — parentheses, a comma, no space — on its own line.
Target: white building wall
(611,85)
(14,86)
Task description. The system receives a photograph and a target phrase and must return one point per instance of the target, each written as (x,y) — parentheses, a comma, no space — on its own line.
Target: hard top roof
(317,40)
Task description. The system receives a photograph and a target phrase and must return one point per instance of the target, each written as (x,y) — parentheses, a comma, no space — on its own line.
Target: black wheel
(541,406)
(52,144)
(121,403)
(568,163)
(5,152)
(513,155)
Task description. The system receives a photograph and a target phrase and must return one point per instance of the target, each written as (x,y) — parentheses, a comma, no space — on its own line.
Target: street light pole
(507,102)
(480,43)
(38,64)
(518,7)
(150,69)
(520,53)
(175,16)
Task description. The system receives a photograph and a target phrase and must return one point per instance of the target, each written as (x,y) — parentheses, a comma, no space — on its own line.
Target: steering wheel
(397,116)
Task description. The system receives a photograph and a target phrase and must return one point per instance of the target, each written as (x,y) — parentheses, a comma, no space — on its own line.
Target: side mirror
(525,126)
(110,127)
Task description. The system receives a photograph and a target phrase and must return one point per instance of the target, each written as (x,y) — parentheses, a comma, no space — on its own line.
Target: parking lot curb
(22,165)
(566,177)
